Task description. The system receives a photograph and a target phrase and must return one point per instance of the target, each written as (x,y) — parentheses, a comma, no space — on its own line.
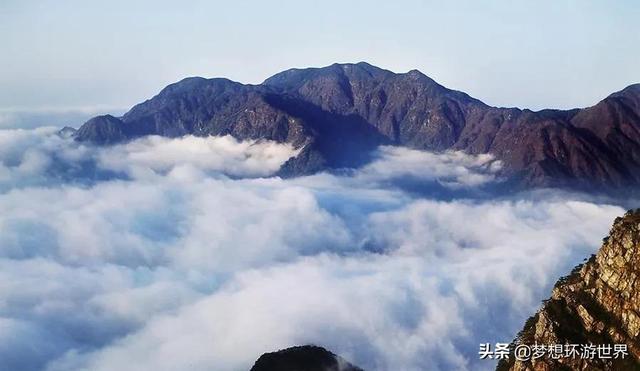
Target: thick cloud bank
(173,254)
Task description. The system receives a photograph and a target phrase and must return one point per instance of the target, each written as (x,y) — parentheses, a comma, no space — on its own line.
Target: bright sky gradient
(101,56)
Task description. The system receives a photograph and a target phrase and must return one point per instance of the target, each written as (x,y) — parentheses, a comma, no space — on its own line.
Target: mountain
(598,303)
(67,132)
(302,358)
(338,114)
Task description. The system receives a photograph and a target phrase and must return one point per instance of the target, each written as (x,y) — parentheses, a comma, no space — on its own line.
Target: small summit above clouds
(67,132)
(336,115)
(104,129)
(302,358)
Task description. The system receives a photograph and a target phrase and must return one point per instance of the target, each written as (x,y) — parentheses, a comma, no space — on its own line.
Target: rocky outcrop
(67,132)
(302,358)
(338,114)
(598,303)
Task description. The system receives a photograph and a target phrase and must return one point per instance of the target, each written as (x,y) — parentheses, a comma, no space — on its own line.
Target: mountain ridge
(337,114)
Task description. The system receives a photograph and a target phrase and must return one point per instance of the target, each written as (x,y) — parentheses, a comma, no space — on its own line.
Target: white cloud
(163,261)
(452,168)
(40,157)
(212,154)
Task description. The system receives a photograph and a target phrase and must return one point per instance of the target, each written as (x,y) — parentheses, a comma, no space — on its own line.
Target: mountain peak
(302,358)
(295,77)
(631,92)
(363,66)
(419,77)
(633,88)
(105,129)
(189,84)
(415,73)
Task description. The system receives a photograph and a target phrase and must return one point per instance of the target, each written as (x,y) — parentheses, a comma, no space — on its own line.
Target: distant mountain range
(337,114)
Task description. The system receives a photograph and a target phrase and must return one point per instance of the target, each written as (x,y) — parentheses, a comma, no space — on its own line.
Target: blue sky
(61,55)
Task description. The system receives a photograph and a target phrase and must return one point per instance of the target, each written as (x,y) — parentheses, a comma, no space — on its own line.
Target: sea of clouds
(174,254)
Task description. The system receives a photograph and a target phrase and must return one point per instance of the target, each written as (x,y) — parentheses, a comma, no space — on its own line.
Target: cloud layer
(185,253)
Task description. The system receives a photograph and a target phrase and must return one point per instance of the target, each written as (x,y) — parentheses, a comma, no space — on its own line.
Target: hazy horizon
(71,55)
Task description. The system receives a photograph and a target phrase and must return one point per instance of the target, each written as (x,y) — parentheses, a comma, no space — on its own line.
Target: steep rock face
(340,112)
(598,303)
(302,358)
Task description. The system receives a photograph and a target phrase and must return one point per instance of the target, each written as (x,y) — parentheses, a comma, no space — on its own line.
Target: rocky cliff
(598,303)
(302,358)
(338,114)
